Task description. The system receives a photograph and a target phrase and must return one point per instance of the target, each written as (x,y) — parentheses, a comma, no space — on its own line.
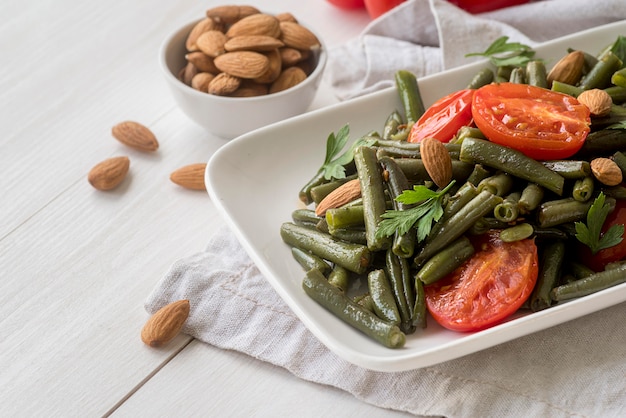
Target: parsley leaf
(618,125)
(422,216)
(619,47)
(334,163)
(590,234)
(502,53)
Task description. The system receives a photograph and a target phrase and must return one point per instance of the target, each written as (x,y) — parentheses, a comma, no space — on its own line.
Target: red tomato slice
(348,4)
(488,288)
(600,259)
(541,123)
(444,118)
(376,8)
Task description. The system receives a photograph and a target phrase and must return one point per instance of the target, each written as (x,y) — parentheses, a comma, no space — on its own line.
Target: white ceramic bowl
(228,117)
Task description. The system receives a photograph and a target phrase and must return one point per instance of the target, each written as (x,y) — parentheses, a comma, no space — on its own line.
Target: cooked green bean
(401,285)
(373,194)
(320,191)
(445,261)
(410,96)
(616,192)
(600,75)
(334,300)
(590,284)
(518,76)
(498,184)
(382,296)
(339,277)
(579,270)
(353,257)
(391,125)
(486,224)
(556,212)
(570,169)
(536,74)
(517,232)
(479,151)
(356,236)
(531,197)
(309,261)
(620,159)
(619,77)
(466,131)
(306,216)
(549,275)
(565,88)
(479,173)
(419,308)
(617,93)
(604,142)
(344,217)
(455,226)
(508,210)
(583,189)
(483,77)
(415,171)
(365,301)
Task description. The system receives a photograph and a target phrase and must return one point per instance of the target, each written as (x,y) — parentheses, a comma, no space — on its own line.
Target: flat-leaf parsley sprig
(591,233)
(334,164)
(502,53)
(429,209)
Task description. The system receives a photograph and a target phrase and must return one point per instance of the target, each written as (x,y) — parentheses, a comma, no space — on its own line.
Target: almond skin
(437,161)
(273,70)
(108,174)
(243,64)
(202,62)
(606,171)
(212,43)
(599,102)
(231,13)
(259,43)
(190,176)
(165,324)
(297,36)
(203,26)
(256,24)
(568,69)
(223,84)
(135,135)
(287,79)
(343,194)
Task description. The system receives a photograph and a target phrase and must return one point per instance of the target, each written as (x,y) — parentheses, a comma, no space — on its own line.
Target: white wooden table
(76,264)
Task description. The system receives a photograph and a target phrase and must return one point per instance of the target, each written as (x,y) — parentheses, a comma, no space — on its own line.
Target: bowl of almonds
(238,69)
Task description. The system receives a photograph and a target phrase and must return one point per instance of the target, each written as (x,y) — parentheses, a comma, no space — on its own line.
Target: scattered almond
(135,135)
(288,78)
(165,324)
(109,173)
(568,69)
(190,176)
(606,171)
(598,101)
(343,194)
(437,161)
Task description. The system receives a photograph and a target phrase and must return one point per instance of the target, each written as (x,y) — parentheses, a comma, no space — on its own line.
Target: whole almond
(598,101)
(249,88)
(256,24)
(273,70)
(231,13)
(606,171)
(568,69)
(343,194)
(288,78)
(437,161)
(135,135)
(297,36)
(165,324)
(286,17)
(223,84)
(201,81)
(190,176)
(290,56)
(109,173)
(202,62)
(187,73)
(202,26)
(212,43)
(244,64)
(259,43)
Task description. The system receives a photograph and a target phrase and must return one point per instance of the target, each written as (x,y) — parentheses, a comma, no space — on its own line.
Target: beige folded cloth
(575,369)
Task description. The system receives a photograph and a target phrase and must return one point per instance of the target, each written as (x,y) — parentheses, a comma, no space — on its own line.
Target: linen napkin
(575,369)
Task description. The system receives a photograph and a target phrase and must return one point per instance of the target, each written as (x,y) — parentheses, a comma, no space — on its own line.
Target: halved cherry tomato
(348,4)
(600,259)
(488,288)
(541,123)
(444,118)
(376,8)
(481,6)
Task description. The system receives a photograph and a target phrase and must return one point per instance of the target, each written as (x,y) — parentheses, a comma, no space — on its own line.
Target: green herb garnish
(619,47)
(590,234)
(618,125)
(334,164)
(502,53)
(422,216)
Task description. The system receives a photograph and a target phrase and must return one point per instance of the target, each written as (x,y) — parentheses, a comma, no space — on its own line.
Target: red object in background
(348,4)
(376,8)
(481,6)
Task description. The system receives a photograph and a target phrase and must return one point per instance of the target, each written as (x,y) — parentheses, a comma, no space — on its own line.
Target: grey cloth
(575,369)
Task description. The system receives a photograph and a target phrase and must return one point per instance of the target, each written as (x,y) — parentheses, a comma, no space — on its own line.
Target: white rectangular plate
(254,181)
